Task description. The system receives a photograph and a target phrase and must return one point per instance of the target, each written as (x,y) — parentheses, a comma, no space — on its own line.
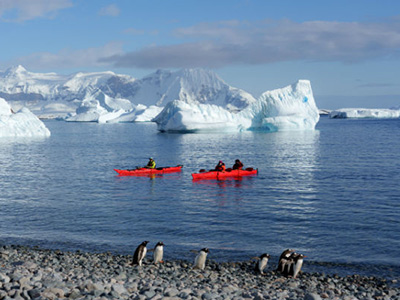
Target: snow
(324,111)
(183,100)
(359,113)
(23,123)
(289,108)
(105,93)
(191,86)
(181,116)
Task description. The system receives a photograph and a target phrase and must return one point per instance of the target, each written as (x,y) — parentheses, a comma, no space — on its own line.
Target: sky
(349,50)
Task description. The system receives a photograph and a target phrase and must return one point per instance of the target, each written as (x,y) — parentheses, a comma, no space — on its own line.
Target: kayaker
(238,165)
(220,167)
(151,164)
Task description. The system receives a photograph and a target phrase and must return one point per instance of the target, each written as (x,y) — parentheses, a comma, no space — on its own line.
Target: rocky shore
(31,273)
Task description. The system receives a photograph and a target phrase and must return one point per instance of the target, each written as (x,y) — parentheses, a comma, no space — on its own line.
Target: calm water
(332,194)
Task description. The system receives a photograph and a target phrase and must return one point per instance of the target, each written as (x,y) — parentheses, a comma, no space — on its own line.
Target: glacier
(183,100)
(362,113)
(22,123)
(289,108)
(86,97)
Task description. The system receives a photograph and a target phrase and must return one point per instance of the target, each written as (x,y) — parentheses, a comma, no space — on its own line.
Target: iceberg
(289,108)
(141,113)
(110,110)
(360,113)
(99,107)
(23,123)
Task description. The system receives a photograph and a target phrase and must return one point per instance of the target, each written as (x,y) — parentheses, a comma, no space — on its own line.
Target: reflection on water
(334,201)
(295,159)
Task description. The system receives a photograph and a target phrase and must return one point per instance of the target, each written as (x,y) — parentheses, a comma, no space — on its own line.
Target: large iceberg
(289,108)
(22,123)
(360,113)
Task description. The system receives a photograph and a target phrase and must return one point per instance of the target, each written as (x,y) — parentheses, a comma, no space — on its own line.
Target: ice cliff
(362,113)
(289,108)
(22,123)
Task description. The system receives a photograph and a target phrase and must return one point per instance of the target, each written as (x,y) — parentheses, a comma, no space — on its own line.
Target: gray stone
(119,288)
(312,296)
(150,294)
(34,293)
(208,296)
(4,278)
(171,292)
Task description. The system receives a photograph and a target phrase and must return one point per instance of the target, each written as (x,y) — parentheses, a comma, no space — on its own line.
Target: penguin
(262,263)
(284,260)
(158,253)
(297,264)
(140,253)
(289,265)
(200,260)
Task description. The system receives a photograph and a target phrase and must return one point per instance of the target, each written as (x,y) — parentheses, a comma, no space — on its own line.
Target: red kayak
(226,174)
(145,171)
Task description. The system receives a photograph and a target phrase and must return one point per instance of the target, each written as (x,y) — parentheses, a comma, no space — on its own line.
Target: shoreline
(34,273)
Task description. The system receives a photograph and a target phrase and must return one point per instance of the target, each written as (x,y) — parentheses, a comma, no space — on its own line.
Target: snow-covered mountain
(56,94)
(190,86)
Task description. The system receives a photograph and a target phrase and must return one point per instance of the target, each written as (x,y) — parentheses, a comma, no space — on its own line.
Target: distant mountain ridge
(158,88)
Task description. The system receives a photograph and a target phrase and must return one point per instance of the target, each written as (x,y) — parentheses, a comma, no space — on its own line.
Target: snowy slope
(37,90)
(17,83)
(190,86)
(22,123)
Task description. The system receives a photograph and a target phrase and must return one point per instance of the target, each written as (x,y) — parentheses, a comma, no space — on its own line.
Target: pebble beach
(33,273)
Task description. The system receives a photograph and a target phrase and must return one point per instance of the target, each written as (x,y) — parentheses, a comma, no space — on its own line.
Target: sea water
(332,194)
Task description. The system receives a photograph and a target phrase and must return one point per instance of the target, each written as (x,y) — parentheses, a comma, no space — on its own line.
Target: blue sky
(349,50)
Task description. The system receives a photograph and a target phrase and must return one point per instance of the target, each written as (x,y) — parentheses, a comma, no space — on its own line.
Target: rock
(119,288)
(4,278)
(74,294)
(3,294)
(208,296)
(171,292)
(150,294)
(34,293)
(56,291)
(312,296)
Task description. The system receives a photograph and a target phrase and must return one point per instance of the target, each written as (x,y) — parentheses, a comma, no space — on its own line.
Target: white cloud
(70,58)
(110,10)
(23,10)
(233,42)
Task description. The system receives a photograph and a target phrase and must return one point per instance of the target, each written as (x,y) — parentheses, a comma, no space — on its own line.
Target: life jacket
(151,164)
(238,166)
(220,167)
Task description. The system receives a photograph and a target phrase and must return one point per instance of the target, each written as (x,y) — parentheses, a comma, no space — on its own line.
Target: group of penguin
(289,264)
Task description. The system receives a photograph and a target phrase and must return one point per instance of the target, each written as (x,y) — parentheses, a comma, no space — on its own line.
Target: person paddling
(220,167)
(151,164)
(238,165)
